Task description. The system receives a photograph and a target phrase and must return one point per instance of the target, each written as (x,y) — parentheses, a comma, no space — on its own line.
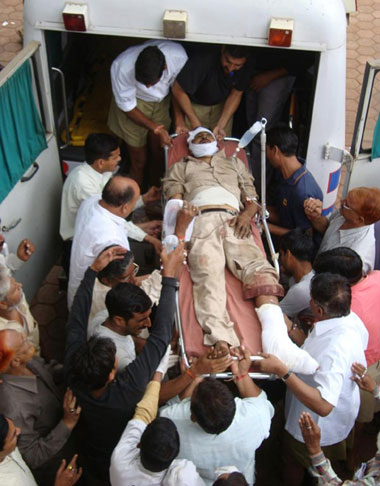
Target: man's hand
(107,256)
(153,228)
(207,365)
(184,217)
(153,194)
(67,476)
(25,250)
(157,245)
(164,136)
(242,365)
(180,129)
(172,262)
(270,364)
(219,133)
(313,208)
(311,433)
(242,225)
(363,380)
(71,413)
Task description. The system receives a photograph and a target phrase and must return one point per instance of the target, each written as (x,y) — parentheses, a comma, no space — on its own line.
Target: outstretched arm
(76,330)
(184,103)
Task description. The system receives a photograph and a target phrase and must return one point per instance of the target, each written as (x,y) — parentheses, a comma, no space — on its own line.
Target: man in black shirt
(108,400)
(210,86)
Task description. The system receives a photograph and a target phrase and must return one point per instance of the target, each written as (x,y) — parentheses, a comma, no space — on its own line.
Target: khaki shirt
(190,176)
(30,324)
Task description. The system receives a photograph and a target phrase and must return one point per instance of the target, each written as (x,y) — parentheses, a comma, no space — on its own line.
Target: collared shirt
(126,467)
(82,183)
(291,194)
(190,176)
(124,85)
(298,297)
(95,229)
(34,403)
(15,472)
(335,344)
(236,445)
(205,81)
(125,347)
(365,303)
(29,325)
(361,240)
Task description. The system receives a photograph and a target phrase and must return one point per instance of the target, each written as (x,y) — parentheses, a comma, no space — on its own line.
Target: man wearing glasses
(351,226)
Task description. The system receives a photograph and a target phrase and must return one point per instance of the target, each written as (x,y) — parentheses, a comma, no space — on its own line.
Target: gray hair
(5,282)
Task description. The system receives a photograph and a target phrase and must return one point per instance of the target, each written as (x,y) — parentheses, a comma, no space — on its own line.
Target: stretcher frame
(263,215)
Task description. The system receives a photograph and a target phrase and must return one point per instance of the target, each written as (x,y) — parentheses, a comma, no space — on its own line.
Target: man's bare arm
(185,104)
(230,106)
(139,118)
(308,395)
(277,230)
(313,211)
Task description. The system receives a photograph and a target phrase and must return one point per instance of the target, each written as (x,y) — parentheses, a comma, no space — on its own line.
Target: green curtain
(22,135)
(376,141)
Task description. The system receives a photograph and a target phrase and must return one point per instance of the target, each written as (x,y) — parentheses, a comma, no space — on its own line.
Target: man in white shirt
(147,450)
(141,80)
(296,254)
(13,469)
(352,225)
(128,313)
(217,429)
(338,339)
(101,223)
(102,155)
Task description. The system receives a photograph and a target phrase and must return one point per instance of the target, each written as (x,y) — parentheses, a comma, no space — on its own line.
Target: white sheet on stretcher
(170,217)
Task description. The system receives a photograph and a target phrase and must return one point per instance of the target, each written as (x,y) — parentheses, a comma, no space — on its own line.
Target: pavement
(11,25)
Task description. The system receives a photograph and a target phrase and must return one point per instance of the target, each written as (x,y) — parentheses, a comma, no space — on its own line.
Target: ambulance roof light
(75,17)
(280,32)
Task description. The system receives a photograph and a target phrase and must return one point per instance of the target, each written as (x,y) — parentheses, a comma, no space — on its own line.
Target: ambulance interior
(85,61)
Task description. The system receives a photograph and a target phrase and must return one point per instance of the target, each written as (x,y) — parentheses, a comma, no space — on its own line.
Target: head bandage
(202,149)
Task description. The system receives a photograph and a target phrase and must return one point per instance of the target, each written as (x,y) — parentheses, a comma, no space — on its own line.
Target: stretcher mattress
(242,312)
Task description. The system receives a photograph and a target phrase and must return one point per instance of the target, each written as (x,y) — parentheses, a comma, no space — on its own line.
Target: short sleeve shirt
(127,90)
(291,195)
(205,82)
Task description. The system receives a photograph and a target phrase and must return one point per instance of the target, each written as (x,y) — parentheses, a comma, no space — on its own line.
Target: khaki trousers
(213,245)
(209,116)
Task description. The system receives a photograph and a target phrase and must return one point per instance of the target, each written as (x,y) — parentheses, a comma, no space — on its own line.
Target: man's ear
(119,321)
(15,363)
(192,418)
(3,305)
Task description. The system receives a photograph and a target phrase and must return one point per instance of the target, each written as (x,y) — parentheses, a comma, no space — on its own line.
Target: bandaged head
(203,149)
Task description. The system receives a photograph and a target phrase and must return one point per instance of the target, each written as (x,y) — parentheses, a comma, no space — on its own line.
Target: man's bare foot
(221,348)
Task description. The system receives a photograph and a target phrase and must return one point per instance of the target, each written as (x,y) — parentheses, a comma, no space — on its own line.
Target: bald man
(101,223)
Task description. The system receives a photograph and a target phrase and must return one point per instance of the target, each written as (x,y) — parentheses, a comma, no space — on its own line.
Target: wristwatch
(286,376)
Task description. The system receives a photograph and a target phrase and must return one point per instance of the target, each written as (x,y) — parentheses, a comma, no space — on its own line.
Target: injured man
(223,191)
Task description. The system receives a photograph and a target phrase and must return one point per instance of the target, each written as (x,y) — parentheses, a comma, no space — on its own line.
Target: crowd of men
(111,413)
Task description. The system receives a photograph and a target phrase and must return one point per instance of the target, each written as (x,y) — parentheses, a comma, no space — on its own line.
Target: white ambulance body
(314,26)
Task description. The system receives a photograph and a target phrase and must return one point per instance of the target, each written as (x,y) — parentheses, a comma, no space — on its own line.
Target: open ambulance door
(365,146)
(30,177)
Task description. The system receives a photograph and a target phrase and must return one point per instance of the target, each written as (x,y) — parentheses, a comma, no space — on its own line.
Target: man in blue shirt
(296,183)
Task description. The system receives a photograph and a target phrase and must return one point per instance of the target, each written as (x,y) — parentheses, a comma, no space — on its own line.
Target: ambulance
(64,68)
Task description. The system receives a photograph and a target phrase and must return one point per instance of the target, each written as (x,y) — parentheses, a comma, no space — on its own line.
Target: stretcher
(242,312)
